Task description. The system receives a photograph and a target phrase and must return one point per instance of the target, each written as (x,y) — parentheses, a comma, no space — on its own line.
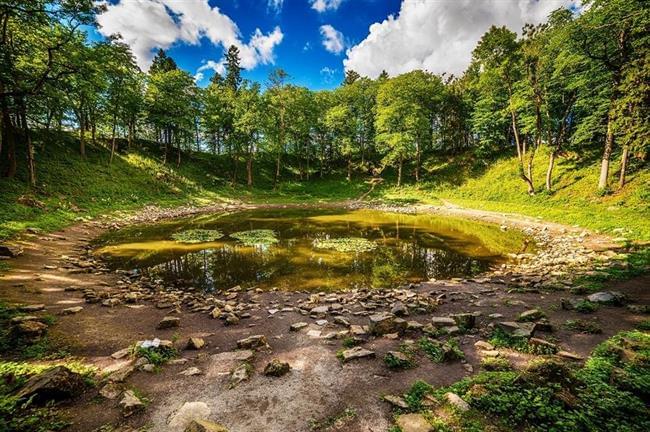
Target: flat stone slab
(413,423)
(356,353)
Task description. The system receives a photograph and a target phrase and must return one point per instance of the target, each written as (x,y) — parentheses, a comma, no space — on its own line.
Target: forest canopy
(578,82)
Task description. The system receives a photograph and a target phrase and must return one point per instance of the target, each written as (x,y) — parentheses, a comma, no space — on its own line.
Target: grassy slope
(71,188)
(573,201)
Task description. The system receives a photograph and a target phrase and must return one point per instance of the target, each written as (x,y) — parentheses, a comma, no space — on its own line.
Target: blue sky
(315,40)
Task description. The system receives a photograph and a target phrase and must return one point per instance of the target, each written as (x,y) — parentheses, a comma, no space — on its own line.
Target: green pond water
(309,249)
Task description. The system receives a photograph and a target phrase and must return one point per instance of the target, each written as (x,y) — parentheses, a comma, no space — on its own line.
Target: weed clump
(346,244)
(197,236)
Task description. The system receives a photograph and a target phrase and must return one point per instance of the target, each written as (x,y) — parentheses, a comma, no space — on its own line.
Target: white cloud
(332,39)
(275,5)
(325,5)
(149,24)
(218,67)
(439,36)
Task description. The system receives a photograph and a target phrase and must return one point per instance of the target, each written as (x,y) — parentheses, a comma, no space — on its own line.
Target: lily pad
(346,244)
(197,236)
(256,237)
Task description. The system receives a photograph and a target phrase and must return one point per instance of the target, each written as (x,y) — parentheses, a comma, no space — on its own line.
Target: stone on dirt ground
(54,384)
(205,426)
(413,423)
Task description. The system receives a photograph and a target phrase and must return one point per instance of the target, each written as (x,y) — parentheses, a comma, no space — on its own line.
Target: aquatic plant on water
(256,237)
(346,244)
(197,236)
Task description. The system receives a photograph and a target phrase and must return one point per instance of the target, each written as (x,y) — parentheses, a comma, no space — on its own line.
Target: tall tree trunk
(82,135)
(249,170)
(93,131)
(549,171)
(399,171)
(8,139)
(624,157)
(417,161)
(31,169)
(276,179)
(607,153)
(349,176)
(178,155)
(113,139)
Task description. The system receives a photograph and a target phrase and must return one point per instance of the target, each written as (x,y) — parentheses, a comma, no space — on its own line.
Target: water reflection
(410,248)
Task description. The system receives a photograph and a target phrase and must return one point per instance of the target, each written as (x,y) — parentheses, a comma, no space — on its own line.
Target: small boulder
(442,321)
(396,401)
(204,426)
(56,384)
(465,321)
(168,322)
(130,403)
(195,343)
(188,413)
(456,401)
(413,423)
(607,297)
(251,342)
(531,315)
(276,368)
(72,310)
(241,373)
(298,326)
(10,251)
(399,309)
(384,323)
(355,353)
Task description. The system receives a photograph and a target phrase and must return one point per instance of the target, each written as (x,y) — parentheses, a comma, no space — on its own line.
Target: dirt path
(51,271)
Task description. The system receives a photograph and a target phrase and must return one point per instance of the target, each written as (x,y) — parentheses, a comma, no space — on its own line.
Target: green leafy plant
(501,339)
(440,352)
(585,306)
(197,236)
(156,355)
(263,237)
(346,244)
(583,326)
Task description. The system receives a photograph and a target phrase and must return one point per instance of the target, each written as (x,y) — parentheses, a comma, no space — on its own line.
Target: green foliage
(440,352)
(585,306)
(346,244)
(583,326)
(350,342)
(607,394)
(394,362)
(157,356)
(197,236)
(495,364)
(265,237)
(501,339)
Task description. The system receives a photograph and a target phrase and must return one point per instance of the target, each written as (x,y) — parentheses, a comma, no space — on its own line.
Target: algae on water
(346,244)
(197,236)
(256,237)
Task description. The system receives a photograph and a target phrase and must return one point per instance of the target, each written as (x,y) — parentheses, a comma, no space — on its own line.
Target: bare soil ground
(318,387)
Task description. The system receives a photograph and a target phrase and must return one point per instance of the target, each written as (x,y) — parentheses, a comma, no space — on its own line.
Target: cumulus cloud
(146,25)
(332,39)
(325,5)
(439,36)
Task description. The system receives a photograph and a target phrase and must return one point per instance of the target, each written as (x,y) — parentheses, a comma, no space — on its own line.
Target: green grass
(496,186)
(501,339)
(71,188)
(607,394)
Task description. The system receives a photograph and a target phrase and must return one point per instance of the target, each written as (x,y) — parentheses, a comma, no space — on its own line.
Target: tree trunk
(8,139)
(399,171)
(607,153)
(549,171)
(417,161)
(276,179)
(113,140)
(624,156)
(31,169)
(249,170)
(349,177)
(82,137)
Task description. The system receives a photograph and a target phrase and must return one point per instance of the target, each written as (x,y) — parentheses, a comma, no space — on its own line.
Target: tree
(276,102)
(162,63)
(405,108)
(613,33)
(233,70)
(248,113)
